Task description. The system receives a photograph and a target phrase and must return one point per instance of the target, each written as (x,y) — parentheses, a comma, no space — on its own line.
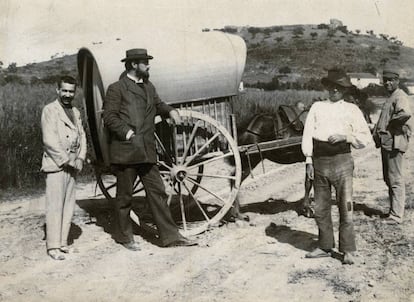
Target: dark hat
(337,77)
(391,72)
(137,54)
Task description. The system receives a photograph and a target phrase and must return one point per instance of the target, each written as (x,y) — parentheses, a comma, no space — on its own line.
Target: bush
(13,79)
(298,31)
(285,70)
(12,68)
(323,26)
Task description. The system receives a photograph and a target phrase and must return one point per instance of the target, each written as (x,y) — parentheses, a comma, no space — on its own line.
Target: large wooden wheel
(200,164)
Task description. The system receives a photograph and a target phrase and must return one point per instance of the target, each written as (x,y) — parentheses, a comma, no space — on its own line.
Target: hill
(297,54)
(302,53)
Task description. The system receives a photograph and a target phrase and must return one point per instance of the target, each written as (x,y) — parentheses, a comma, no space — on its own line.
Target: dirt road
(258,261)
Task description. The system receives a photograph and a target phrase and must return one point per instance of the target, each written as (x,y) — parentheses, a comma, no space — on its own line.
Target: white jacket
(62,140)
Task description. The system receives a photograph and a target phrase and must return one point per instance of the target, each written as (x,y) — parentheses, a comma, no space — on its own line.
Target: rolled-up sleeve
(360,135)
(308,133)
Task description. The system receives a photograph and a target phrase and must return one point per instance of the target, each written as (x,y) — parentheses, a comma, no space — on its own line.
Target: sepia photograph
(201,151)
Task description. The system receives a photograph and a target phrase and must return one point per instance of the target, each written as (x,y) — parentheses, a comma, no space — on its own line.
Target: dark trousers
(334,171)
(156,197)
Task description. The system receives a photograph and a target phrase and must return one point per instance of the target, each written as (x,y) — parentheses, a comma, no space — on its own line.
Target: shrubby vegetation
(20,133)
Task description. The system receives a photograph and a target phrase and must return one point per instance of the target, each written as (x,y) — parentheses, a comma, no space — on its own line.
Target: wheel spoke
(164,164)
(212,175)
(203,147)
(169,199)
(205,189)
(182,208)
(111,186)
(162,147)
(174,142)
(210,160)
(190,140)
(196,201)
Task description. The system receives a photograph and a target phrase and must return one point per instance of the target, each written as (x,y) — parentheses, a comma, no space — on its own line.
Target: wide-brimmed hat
(137,54)
(338,77)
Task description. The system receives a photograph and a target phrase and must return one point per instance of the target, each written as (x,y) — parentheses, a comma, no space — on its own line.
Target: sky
(33,31)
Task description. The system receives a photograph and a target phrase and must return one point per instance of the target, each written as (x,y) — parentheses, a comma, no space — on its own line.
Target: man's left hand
(336,138)
(175,116)
(78,165)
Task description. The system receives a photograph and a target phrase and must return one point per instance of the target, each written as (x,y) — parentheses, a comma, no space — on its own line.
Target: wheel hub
(179,173)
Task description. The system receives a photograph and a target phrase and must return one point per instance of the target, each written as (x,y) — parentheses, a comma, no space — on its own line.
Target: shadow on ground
(101,213)
(274,206)
(299,239)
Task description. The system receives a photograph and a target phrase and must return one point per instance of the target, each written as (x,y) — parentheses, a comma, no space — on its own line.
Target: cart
(199,74)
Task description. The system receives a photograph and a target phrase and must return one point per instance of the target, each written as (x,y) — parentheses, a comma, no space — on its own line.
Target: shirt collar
(135,79)
(337,102)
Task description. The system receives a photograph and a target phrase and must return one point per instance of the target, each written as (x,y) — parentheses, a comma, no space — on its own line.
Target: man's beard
(142,74)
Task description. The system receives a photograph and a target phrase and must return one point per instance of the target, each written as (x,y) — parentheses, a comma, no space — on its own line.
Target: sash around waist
(321,148)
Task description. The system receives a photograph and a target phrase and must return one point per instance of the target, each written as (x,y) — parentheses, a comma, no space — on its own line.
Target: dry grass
(20,133)
(21,138)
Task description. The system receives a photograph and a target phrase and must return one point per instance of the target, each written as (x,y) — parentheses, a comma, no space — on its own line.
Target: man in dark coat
(130,107)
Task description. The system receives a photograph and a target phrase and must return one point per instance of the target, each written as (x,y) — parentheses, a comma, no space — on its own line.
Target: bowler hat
(137,54)
(338,77)
(391,72)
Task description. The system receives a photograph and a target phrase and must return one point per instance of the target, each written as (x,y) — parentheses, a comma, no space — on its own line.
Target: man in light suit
(64,143)
(130,107)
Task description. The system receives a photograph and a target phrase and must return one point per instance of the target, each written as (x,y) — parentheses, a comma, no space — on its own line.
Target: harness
(278,132)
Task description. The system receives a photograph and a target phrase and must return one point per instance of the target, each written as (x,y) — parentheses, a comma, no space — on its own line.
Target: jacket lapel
(134,88)
(63,116)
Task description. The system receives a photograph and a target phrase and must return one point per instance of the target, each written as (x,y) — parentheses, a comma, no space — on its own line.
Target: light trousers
(60,204)
(392,168)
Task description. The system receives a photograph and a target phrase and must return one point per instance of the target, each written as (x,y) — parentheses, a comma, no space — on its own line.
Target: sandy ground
(262,260)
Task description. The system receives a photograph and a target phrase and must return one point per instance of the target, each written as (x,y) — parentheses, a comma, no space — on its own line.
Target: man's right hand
(309,171)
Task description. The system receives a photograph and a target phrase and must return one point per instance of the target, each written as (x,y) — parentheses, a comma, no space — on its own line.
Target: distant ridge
(289,53)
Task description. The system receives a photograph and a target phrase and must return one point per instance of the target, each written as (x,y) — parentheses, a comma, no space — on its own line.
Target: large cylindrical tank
(186,67)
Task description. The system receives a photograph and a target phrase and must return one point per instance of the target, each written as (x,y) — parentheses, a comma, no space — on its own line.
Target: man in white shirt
(332,127)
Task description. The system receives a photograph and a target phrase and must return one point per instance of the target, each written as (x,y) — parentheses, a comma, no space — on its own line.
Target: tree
(343,29)
(358,31)
(313,35)
(12,67)
(331,32)
(298,31)
(323,26)
(279,39)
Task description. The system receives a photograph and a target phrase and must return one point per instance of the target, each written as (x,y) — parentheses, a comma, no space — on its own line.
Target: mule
(288,122)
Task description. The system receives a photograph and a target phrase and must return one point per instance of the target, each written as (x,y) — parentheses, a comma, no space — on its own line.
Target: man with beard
(392,133)
(331,128)
(130,107)
(64,153)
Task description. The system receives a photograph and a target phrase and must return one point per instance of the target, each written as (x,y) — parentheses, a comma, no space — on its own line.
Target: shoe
(390,221)
(319,253)
(182,242)
(55,254)
(132,246)
(308,212)
(348,259)
(67,249)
